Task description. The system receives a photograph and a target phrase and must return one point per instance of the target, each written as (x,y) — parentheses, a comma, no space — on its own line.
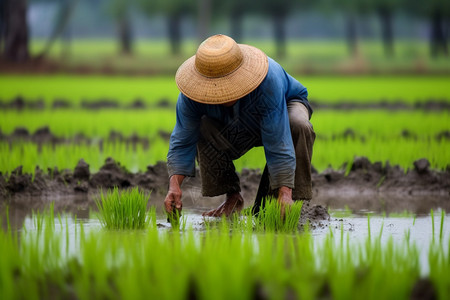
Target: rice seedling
(270,218)
(125,209)
(212,264)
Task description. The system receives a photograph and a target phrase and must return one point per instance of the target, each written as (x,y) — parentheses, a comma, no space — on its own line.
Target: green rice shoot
(269,218)
(126,209)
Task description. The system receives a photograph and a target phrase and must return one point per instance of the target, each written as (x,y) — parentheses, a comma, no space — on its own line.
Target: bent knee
(301,126)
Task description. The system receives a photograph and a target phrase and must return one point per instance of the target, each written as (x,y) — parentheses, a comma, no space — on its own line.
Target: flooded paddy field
(377,226)
(341,250)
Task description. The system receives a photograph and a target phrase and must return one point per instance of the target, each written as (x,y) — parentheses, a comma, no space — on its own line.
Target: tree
(235,10)
(385,10)
(14,30)
(437,12)
(174,11)
(65,12)
(120,11)
(278,11)
(350,9)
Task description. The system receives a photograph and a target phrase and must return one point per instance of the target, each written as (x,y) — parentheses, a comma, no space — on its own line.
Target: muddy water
(355,227)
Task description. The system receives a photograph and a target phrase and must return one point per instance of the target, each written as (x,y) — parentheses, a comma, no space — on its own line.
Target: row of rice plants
(366,123)
(92,124)
(29,155)
(327,89)
(327,153)
(51,261)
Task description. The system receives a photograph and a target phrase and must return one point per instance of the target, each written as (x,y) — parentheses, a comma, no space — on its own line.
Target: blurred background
(94,79)
(155,36)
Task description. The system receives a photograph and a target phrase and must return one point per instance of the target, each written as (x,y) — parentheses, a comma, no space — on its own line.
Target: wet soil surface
(367,187)
(44,135)
(20,103)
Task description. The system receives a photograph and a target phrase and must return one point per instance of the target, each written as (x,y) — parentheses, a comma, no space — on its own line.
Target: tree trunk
(280,34)
(438,41)
(66,38)
(387,33)
(175,33)
(16,31)
(351,35)
(125,37)
(65,12)
(2,23)
(204,19)
(236,26)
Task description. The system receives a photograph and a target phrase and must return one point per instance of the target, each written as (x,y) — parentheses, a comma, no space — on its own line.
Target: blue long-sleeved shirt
(262,114)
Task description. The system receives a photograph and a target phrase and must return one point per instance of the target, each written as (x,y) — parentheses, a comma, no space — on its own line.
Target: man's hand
(285,199)
(173,198)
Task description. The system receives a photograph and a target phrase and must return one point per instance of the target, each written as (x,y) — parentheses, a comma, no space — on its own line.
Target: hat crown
(218,56)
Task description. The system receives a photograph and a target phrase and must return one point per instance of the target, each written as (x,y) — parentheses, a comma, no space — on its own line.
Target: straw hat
(221,71)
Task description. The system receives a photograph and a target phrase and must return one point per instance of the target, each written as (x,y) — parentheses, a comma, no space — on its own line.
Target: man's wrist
(284,190)
(176,180)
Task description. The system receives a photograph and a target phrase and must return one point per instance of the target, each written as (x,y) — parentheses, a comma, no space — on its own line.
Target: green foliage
(123,209)
(270,217)
(326,89)
(210,264)
(303,57)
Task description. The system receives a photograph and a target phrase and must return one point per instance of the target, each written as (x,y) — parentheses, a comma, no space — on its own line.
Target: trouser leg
(303,137)
(215,155)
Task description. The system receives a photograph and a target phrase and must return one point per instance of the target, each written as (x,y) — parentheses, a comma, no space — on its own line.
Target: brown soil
(427,105)
(20,103)
(368,186)
(44,135)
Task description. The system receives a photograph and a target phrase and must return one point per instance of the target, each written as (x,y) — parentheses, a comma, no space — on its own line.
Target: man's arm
(182,151)
(275,132)
(184,137)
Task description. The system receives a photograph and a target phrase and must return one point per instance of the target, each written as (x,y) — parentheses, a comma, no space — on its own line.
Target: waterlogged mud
(399,105)
(44,135)
(20,103)
(367,187)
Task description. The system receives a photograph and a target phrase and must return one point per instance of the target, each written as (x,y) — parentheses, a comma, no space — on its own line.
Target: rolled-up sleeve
(183,141)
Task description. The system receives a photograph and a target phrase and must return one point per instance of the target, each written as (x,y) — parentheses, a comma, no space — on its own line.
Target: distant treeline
(14,26)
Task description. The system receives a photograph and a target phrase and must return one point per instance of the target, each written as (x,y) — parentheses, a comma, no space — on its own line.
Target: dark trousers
(219,145)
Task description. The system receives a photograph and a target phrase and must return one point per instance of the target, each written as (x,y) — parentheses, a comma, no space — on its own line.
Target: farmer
(233,98)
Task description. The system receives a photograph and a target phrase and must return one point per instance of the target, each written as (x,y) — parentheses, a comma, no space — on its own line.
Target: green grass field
(325,89)
(54,256)
(398,137)
(303,56)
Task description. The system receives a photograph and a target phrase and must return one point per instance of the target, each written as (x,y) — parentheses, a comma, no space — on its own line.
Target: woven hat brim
(233,86)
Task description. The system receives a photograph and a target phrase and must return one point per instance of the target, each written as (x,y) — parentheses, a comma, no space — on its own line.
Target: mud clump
(43,135)
(99,104)
(20,133)
(61,103)
(422,166)
(155,178)
(366,178)
(313,213)
(423,290)
(350,184)
(81,171)
(17,181)
(137,104)
(111,175)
